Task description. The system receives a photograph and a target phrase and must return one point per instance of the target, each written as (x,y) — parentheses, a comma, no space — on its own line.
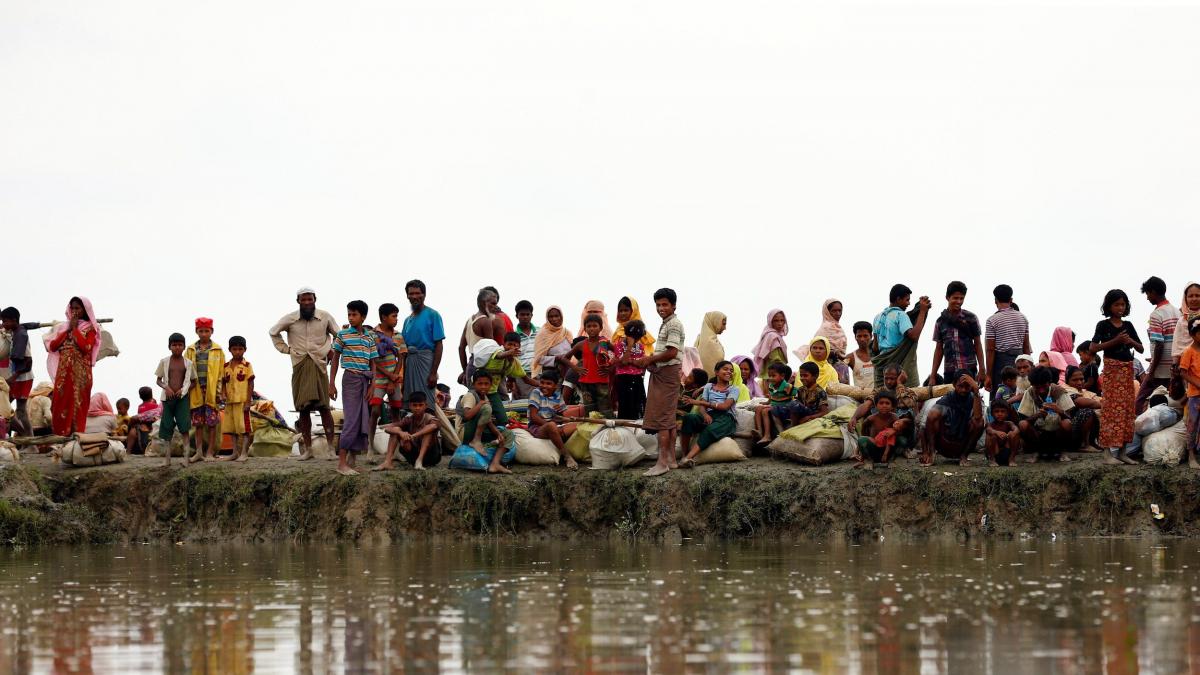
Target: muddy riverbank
(281,499)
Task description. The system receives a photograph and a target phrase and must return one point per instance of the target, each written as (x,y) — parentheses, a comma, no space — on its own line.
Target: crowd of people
(1000,394)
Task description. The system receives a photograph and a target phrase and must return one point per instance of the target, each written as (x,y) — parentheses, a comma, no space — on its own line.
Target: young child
(629,382)
(1090,367)
(859,360)
(1118,339)
(478,421)
(503,366)
(593,359)
(691,387)
(415,436)
(20,377)
(1008,391)
(208,360)
(237,384)
(357,353)
(148,412)
(545,412)
(528,333)
(176,376)
(121,429)
(777,411)
(389,368)
(878,441)
(1189,370)
(443,396)
(811,400)
(1003,438)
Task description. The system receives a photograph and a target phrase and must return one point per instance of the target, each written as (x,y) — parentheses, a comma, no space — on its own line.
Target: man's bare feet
(571,463)
(242,458)
(863,464)
(1192,463)
(1064,457)
(1032,459)
(1109,459)
(305,454)
(210,458)
(962,461)
(419,466)
(499,468)
(346,471)
(992,462)
(386,466)
(195,458)
(1126,459)
(657,470)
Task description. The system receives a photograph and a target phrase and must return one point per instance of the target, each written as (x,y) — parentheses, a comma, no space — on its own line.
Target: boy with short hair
(1003,438)
(176,376)
(121,428)
(1189,370)
(208,360)
(665,368)
(545,412)
(389,369)
(1008,391)
(415,436)
(777,411)
(479,422)
(20,377)
(1090,367)
(528,333)
(811,400)
(357,353)
(504,365)
(237,384)
(859,360)
(878,440)
(593,358)
(1162,332)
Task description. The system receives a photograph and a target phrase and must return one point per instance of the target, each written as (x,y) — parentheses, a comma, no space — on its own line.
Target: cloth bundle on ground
(159,448)
(272,441)
(1166,446)
(467,459)
(724,450)
(820,441)
(614,447)
(578,444)
(923,393)
(534,451)
(9,452)
(6,411)
(91,450)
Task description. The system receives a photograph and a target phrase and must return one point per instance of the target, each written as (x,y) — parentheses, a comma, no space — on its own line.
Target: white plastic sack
(9,452)
(613,447)
(532,450)
(745,428)
(1155,419)
(1166,446)
(71,454)
(836,402)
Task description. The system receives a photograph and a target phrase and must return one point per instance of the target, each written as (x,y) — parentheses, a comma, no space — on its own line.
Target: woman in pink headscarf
(73,347)
(771,348)
(595,307)
(101,418)
(1062,342)
(830,329)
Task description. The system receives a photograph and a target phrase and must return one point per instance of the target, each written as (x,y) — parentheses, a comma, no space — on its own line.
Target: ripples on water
(1024,606)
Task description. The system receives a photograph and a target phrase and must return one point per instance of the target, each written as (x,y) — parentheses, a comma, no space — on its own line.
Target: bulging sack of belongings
(9,452)
(577,444)
(724,450)
(5,344)
(320,445)
(1166,446)
(467,459)
(6,411)
(815,451)
(272,441)
(614,447)
(745,429)
(534,451)
(91,450)
(158,447)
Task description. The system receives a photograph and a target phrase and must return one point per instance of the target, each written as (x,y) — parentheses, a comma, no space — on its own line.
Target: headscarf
(769,341)
(547,337)
(690,358)
(595,307)
(483,352)
(99,406)
(830,329)
(635,314)
(1058,362)
(1183,307)
(1182,340)
(42,388)
(828,374)
(711,349)
(737,382)
(1061,344)
(752,385)
(90,324)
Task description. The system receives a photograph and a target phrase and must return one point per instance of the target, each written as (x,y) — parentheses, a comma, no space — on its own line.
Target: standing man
(1163,320)
(423,333)
(665,377)
(1006,335)
(895,333)
(310,334)
(483,324)
(958,338)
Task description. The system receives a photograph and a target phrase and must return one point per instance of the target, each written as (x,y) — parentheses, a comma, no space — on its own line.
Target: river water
(1086,606)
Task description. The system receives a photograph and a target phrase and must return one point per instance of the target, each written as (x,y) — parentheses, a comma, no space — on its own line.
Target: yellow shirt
(236,381)
(206,395)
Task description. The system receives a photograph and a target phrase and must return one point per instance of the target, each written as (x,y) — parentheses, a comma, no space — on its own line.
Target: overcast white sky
(172,160)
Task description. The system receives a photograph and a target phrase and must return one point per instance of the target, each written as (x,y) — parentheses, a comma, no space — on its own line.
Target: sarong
(356,420)
(1117,415)
(723,425)
(904,355)
(416,373)
(662,398)
(1002,361)
(310,386)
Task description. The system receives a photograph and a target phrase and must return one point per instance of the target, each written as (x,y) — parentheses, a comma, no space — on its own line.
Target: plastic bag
(535,451)
(467,459)
(272,441)
(724,450)
(614,447)
(1166,446)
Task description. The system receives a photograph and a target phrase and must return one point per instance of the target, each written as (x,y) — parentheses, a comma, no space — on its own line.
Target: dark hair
(956,287)
(415,283)
(1110,298)
(1071,370)
(443,387)
(418,397)
(1008,372)
(593,318)
(810,368)
(665,294)
(82,307)
(512,336)
(862,325)
(1043,375)
(898,291)
(358,306)
(1157,400)
(835,302)
(549,376)
(578,339)
(625,302)
(524,306)
(699,375)
(719,365)
(122,400)
(635,329)
(145,393)
(1085,346)
(1193,325)
(1000,404)
(781,368)
(11,313)
(237,341)
(893,368)
(1002,293)
(883,395)
(176,338)
(1154,284)
(958,375)
(388,309)
(481,373)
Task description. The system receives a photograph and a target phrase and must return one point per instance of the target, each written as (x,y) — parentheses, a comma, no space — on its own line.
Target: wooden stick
(23,441)
(50,324)
(272,421)
(603,421)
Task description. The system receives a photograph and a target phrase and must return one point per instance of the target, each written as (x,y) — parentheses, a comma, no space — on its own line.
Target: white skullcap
(305,289)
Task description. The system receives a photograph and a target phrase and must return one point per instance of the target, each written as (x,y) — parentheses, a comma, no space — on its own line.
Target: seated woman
(715,419)
(955,423)
(1084,419)
(101,418)
(1046,411)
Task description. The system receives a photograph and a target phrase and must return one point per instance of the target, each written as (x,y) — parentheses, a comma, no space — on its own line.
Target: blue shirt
(357,348)
(890,327)
(424,330)
(545,404)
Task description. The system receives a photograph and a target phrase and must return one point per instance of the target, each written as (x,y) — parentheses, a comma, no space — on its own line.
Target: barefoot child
(1007,391)
(1003,438)
(389,373)
(859,360)
(205,398)
(545,412)
(238,388)
(503,365)
(776,412)
(879,432)
(1189,370)
(1090,367)
(593,358)
(148,412)
(1117,339)
(811,400)
(121,429)
(176,376)
(356,352)
(479,424)
(415,436)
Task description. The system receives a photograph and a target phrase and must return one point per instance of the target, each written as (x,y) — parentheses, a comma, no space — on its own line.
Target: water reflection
(1112,606)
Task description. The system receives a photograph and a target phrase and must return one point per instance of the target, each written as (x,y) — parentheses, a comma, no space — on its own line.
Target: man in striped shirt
(1163,320)
(1006,336)
(357,352)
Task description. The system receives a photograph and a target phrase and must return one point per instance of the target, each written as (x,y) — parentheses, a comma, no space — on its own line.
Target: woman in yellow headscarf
(818,353)
(627,310)
(711,349)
